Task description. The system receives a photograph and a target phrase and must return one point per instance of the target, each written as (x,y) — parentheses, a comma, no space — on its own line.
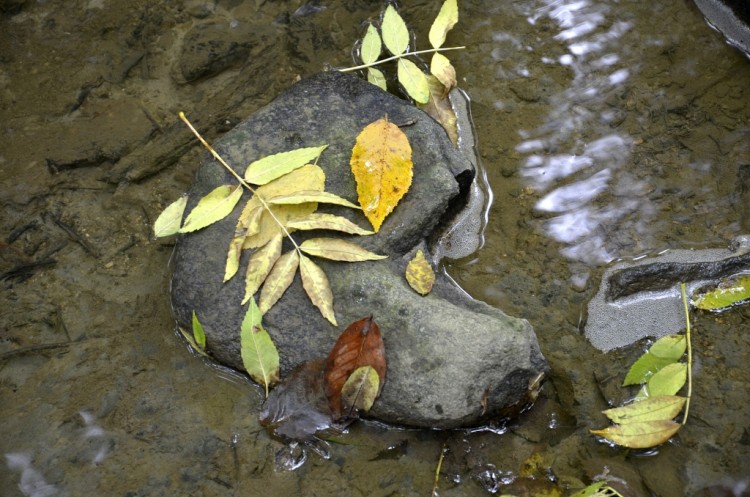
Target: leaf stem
(689,352)
(238,177)
(437,472)
(394,57)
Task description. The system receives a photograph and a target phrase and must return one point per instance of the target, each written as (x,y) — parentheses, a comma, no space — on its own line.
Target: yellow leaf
(419,274)
(360,390)
(371,45)
(376,77)
(440,109)
(317,221)
(259,355)
(338,250)
(395,33)
(307,178)
(441,68)
(248,224)
(260,265)
(308,196)
(654,408)
(316,285)
(642,435)
(215,206)
(271,167)
(413,80)
(278,280)
(445,20)
(382,166)
(168,222)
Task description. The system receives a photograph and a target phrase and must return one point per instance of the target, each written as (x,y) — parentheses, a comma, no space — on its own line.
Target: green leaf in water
(395,32)
(665,351)
(198,334)
(651,409)
(641,435)
(259,355)
(731,291)
(667,381)
(371,46)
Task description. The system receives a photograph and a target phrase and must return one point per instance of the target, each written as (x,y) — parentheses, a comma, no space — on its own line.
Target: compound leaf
(216,205)
(665,351)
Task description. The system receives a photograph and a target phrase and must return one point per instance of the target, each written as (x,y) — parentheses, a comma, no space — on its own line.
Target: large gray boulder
(452,361)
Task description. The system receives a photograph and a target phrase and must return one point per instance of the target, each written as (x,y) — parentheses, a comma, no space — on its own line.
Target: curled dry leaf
(361,344)
(281,276)
(440,109)
(419,274)
(382,166)
(360,391)
(168,222)
(215,206)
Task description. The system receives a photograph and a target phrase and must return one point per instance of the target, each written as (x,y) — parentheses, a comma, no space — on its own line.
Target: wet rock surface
(446,352)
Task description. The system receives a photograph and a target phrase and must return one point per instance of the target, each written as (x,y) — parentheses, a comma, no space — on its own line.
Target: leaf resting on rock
(317,221)
(439,108)
(274,166)
(259,355)
(248,224)
(360,391)
(260,265)
(215,206)
(382,166)
(336,249)
(281,276)
(652,409)
(419,274)
(316,285)
(168,222)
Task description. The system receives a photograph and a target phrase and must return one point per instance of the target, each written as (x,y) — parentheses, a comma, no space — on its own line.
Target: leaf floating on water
(361,344)
(419,274)
(328,222)
(260,265)
(376,77)
(382,166)
(598,489)
(413,80)
(316,285)
(444,22)
(443,70)
(360,391)
(641,435)
(168,222)
(371,45)
(271,167)
(667,381)
(731,291)
(336,249)
(395,32)
(198,334)
(309,196)
(259,355)
(248,224)
(651,409)
(212,208)
(664,351)
(278,280)
(440,109)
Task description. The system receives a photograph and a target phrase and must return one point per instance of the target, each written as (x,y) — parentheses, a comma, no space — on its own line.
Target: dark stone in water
(452,361)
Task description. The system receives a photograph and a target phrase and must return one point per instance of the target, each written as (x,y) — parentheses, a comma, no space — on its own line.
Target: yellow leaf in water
(382,166)
(316,285)
(338,250)
(215,206)
(248,224)
(278,280)
(443,70)
(440,109)
(168,222)
(651,409)
(260,264)
(419,274)
(445,20)
(640,435)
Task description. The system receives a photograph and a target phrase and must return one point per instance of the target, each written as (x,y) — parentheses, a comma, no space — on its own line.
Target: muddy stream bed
(607,129)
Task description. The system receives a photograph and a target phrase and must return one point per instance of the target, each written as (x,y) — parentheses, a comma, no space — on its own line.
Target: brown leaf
(440,109)
(361,344)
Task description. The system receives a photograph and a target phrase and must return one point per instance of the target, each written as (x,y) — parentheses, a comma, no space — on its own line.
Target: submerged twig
(32,348)
(689,353)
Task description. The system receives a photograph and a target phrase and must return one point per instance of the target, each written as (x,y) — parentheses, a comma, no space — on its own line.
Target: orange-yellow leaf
(316,285)
(419,274)
(641,435)
(260,265)
(279,280)
(382,166)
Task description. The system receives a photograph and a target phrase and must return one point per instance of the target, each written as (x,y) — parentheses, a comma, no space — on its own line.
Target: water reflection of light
(32,482)
(582,183)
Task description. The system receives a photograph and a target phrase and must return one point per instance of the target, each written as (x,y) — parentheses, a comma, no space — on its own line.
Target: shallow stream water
(607,130)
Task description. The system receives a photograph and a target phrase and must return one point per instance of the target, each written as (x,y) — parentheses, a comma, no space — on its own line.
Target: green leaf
(651,409)
(306,196)
(395,33)
(667,381)
(168,222)
(376,77)
(360,390)
(414,81)
(731,291)
(269,168)
(371,46)
(318,289)
(259,355)
(198,334)
(598,489)
(445,20)
(443,70)
(317,221)
(338,250)
(665,351)
(215,206)
(641,435)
